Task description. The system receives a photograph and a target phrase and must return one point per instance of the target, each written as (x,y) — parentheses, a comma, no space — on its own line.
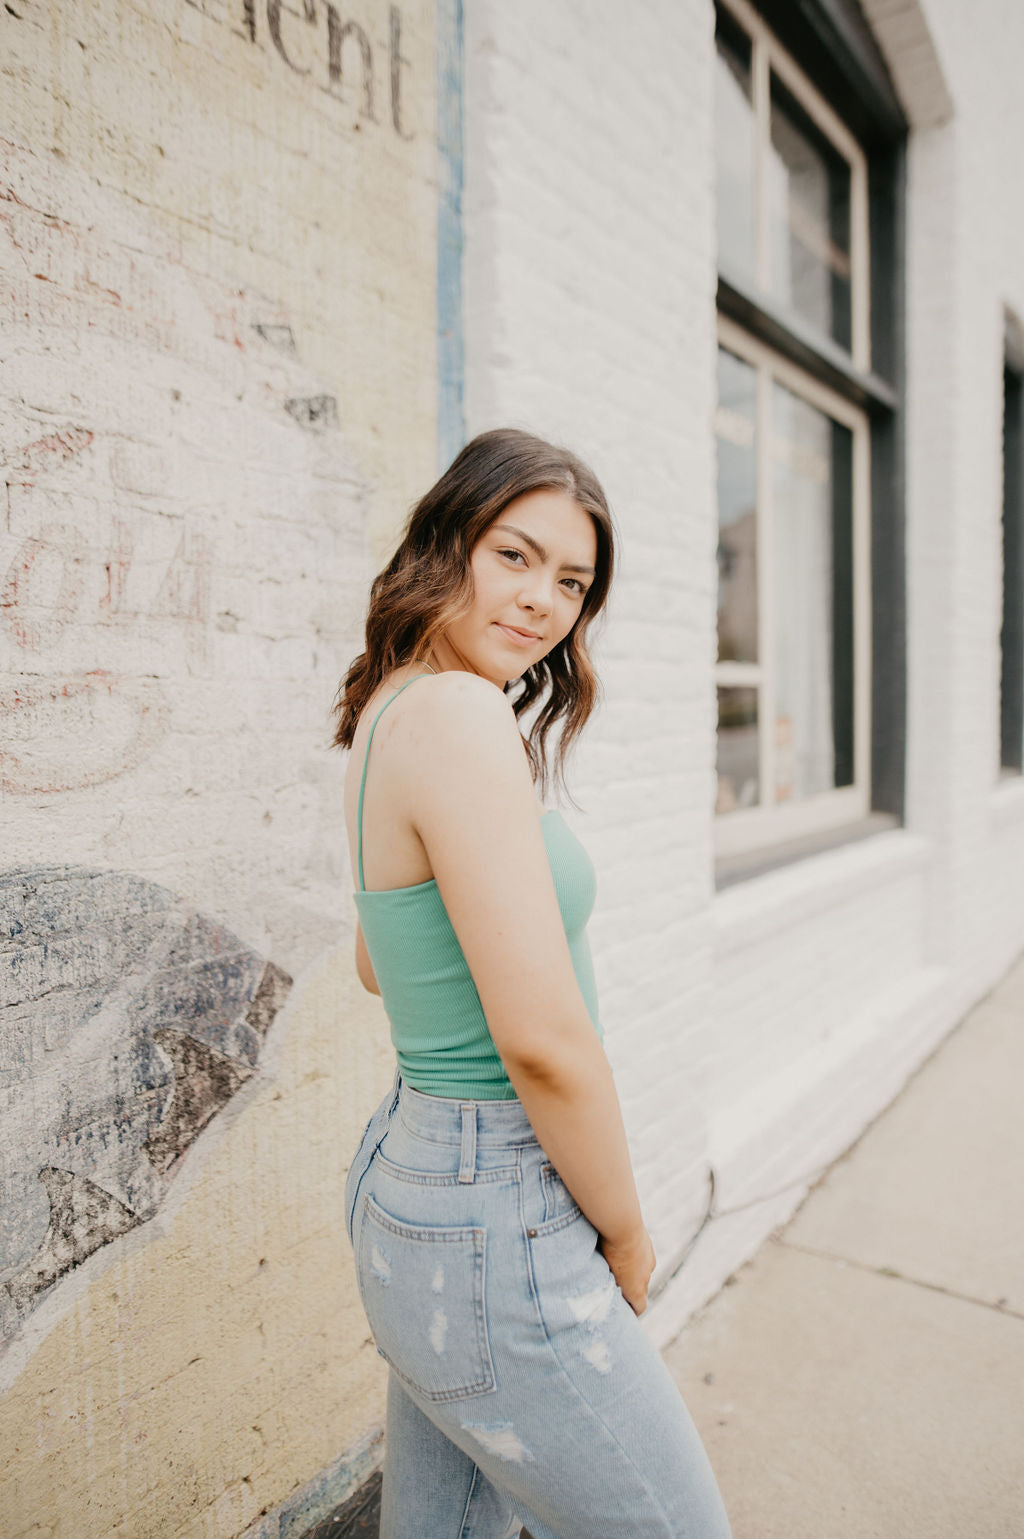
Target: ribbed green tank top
(438,1025)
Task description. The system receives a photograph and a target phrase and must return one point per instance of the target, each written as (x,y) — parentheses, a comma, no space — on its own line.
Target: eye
(575,587)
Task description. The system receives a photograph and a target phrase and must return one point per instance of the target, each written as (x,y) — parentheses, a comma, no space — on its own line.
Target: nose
(536,592)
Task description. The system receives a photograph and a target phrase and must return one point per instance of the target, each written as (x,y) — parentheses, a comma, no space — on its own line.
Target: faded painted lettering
(319,41)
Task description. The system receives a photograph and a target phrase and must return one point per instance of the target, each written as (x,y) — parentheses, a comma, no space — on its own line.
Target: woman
(501,1253)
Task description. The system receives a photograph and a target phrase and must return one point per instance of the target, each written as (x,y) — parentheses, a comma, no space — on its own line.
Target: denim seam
(350,1216)
(445,1234)
(568,1376)
(553,1225)
(388,1111)
(424,1138)
(441,1396)
(645,1484)
(469,1499)
(548,1176)
(526,1141)
(504,1174)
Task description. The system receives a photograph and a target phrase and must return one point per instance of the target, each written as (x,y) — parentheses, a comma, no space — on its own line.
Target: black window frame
(1011,636)
(833,45)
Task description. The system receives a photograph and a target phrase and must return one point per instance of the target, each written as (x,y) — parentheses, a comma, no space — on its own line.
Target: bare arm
(476,813)
(364,967)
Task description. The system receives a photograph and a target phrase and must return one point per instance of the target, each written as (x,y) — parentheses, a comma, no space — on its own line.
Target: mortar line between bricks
(891,1272)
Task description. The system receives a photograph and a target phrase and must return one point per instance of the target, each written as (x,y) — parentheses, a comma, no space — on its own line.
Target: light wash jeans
(522,1387)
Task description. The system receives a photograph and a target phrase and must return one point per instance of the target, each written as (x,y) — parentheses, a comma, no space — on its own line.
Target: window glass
(809,214)
(734,141)
(736,433)
(738,771)
(812,506)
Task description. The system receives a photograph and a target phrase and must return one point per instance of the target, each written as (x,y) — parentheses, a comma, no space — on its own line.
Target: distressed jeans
(522,1388)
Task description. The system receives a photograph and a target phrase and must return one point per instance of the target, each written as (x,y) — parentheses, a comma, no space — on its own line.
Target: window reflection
(809,211)
(734,141)
(736,433)
(812,506)
(738,772)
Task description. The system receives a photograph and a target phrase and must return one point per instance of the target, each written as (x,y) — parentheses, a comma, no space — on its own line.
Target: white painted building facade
(756,1022)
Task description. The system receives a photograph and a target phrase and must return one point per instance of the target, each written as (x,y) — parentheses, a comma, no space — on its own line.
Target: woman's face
(531,569)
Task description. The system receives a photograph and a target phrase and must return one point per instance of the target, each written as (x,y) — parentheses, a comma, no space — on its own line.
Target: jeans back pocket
(423,1289)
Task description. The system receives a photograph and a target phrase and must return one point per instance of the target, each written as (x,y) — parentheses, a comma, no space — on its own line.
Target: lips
(516,636)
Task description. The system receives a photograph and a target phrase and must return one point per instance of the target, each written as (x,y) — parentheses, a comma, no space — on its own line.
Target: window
(792,187)
(801,410)
(1011,757)
(792,554)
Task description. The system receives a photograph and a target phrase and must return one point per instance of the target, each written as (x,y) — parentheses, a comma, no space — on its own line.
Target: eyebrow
(541,552)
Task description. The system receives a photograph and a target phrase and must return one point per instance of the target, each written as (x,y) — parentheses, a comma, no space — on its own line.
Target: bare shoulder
(461,745)
(454,691)
(458,712)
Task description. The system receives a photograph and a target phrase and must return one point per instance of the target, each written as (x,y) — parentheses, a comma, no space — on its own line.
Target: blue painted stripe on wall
(451,416)
(316,1501)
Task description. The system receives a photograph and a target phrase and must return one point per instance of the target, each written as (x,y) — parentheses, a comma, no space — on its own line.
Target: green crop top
(437,1021)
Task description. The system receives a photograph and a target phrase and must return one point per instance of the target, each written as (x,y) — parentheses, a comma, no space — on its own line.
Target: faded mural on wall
(182,523)
(181,570)
(128,1022)
(185,549)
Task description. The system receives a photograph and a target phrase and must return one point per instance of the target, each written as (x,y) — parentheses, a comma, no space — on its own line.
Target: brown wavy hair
(428,583)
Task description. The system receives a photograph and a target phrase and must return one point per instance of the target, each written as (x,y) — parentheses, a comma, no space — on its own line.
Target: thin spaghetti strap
(366,760)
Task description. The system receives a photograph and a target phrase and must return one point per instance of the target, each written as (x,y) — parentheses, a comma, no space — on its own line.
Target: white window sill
(745,864)
(1006,803)
(789,885)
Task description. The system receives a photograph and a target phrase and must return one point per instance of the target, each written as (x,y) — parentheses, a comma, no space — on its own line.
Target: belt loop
(467,1154)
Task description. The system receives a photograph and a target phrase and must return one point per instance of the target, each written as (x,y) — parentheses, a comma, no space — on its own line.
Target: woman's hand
(632,1262)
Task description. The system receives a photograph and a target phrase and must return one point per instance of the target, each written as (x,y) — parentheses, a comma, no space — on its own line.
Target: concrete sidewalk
(864,1375)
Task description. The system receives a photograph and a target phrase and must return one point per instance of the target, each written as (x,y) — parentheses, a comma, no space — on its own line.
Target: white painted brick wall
(975,823)
(589,317)
(760,1030)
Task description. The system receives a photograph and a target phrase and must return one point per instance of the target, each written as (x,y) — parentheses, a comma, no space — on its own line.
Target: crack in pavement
(889,1271)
